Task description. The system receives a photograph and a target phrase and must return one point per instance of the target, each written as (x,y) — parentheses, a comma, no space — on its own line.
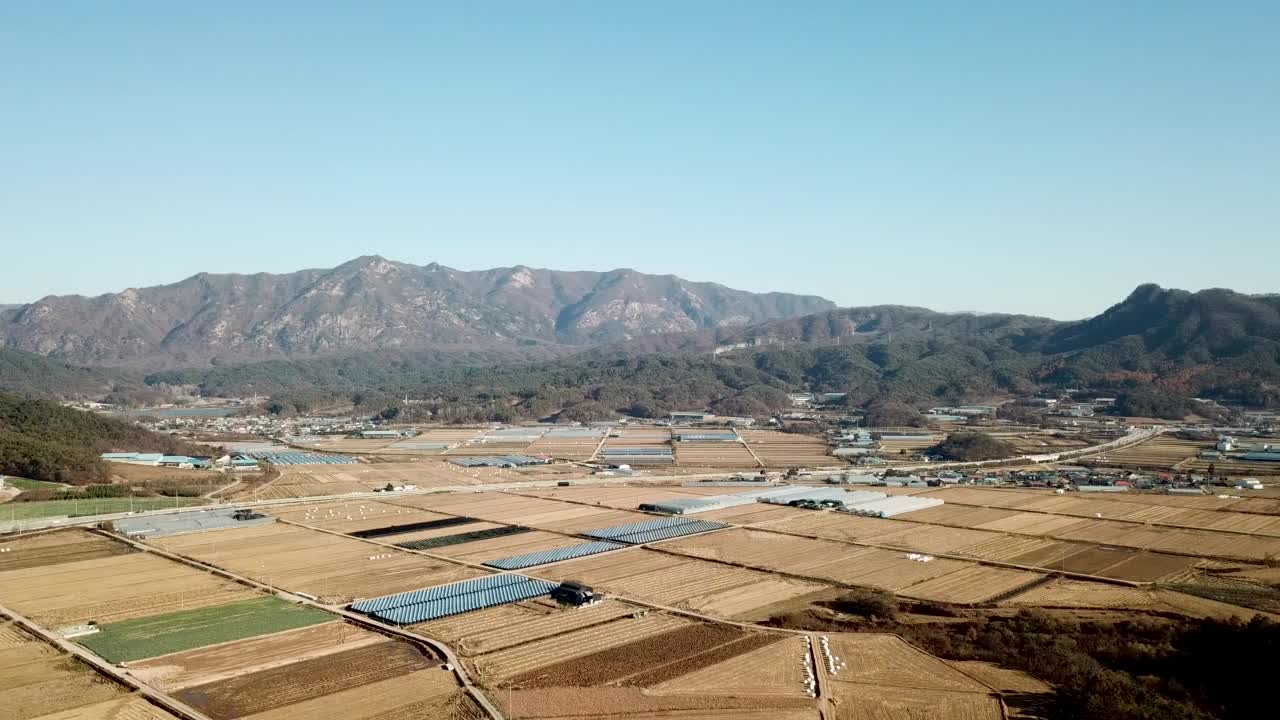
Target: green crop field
(25,484)
(89,506)
(189,629)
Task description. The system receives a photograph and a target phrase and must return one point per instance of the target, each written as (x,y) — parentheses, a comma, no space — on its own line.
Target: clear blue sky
(1021,156)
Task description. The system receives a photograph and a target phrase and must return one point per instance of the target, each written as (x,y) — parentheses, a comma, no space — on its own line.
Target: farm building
(190,522)
(1103,488)
(498,461)
(892,506)
(384,434)
(1259,456)
(690,416)
(152,459)
(691,506)
(706,436)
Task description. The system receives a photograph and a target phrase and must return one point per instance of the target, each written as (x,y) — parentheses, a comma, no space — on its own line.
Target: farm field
(686,583)
(355,683)
(775,670)
(1133,510)
(533,512)
(989,544)
(54,548)
(565,448)
(887,678)
(888,660)
(1084,594)
(18,511)
(110,589)
(522,660)
(334,568)
(40,682)
(781,450)
(860,702)
(352,515)
(1160,453)
(715,454)
(147,637)
(219,662)
(940,579)
(311,480)
(504,626)
(630,703)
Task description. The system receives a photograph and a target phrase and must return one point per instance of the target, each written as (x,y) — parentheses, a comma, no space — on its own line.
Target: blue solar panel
(609,533)
(648,536)
(516,562)
(436,593)
(457,604)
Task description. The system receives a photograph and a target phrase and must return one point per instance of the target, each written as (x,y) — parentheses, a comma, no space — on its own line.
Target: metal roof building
(692,506)
(893,505)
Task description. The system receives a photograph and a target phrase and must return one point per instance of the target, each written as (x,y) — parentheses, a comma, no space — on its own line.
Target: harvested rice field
(1077,594)
(1132,509)
(53,548)
(504,626)
(631,703)
(334,568)
(784,450)
(527,664)
(533,512)
(111,588)
(888,660)
(359,682)
(863,702)
(685,583)
(353,515)
(655,659)
(39,681)
(775,670)
(715,454)
(938,579)
(219,662)
(297,481)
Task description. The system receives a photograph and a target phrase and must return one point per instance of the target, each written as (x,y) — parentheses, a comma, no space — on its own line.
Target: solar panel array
(303,458)
(515,562)
(654,530)
(445,600)
(496,461)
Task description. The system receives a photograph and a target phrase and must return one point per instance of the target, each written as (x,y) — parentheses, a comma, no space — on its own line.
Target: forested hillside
(42,440)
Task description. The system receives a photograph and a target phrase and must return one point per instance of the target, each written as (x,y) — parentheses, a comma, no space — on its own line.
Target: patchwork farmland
(695,626)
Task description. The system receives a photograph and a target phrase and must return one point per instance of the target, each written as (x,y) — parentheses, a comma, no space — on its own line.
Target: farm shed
(690,506)
(892,506)
(704,436)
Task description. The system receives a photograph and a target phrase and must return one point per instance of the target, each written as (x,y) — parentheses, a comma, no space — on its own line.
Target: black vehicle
(571,592)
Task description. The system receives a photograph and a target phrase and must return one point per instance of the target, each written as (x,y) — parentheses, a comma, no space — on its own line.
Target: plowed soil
(298,682)
(633,659)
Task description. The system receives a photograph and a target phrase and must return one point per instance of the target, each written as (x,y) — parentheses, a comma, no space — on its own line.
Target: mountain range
(535,342)
(372,302)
